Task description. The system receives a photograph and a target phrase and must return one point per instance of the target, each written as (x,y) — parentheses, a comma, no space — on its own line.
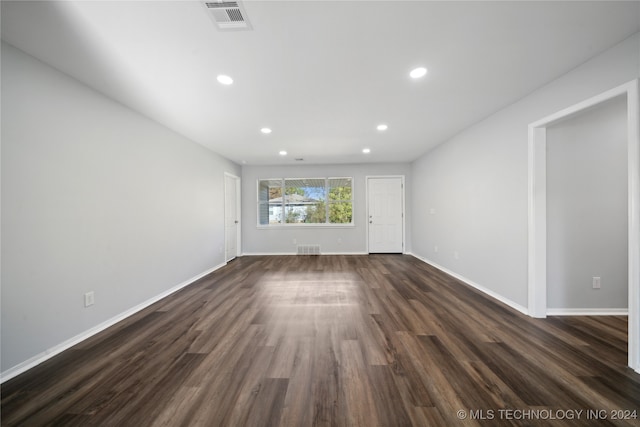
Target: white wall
(587,209)
(95,197)
(331,239)
(477,181)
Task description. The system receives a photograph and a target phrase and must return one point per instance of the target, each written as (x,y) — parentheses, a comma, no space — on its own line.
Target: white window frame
(326,224)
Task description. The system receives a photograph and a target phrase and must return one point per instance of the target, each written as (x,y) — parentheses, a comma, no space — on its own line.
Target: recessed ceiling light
(382,127)
(416,73)
(225,80)
(366,150)
(265,130)
(283,153)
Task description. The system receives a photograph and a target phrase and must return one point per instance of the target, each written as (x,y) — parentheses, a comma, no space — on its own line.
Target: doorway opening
(537,228)
(587,212)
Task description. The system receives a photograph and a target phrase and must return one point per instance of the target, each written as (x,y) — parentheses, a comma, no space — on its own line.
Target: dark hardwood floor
(338,341)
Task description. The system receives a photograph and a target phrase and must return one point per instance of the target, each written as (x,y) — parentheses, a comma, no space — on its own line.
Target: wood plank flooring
(378,340)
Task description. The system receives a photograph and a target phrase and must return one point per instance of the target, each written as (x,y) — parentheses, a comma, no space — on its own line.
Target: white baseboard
(267,253)
(587,312)
(344,253)
(471,283)
(295,253)
(59,348)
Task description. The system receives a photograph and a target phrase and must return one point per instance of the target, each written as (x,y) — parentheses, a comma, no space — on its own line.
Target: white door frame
(537,262)
(404,237)
(238,213)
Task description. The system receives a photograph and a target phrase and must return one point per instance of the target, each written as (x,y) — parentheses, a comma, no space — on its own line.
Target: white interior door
(386,214)
(231,216)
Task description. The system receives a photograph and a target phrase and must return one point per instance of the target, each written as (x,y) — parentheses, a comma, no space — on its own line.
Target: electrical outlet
(456,255)
(295,241)
(89,299)
(435,248)
(339,240)
(596,283)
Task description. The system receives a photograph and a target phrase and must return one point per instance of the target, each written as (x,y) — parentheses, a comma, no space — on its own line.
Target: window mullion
(326,201)
(283,219)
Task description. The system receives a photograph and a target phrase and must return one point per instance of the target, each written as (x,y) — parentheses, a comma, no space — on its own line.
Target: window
(302,201)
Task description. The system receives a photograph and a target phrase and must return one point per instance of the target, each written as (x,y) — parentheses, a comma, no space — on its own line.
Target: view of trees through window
(305,201)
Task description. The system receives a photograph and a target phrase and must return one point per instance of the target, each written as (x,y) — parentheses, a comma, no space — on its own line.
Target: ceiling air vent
(228,15)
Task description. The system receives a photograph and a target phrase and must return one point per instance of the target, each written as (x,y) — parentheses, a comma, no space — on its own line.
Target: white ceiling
(321,74)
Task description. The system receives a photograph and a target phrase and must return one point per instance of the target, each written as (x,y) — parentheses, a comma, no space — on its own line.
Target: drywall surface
(587,209)
(95,198)
(469,195)
(353,239)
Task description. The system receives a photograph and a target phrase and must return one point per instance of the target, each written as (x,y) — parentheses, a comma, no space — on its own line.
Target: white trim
(295,253)
(404,208)
(537,243)
(239,213)
(537,279)
(268,253)
(471,283)
(301,225)
(345,253)
(59,348)
(633,123)
(587,312)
